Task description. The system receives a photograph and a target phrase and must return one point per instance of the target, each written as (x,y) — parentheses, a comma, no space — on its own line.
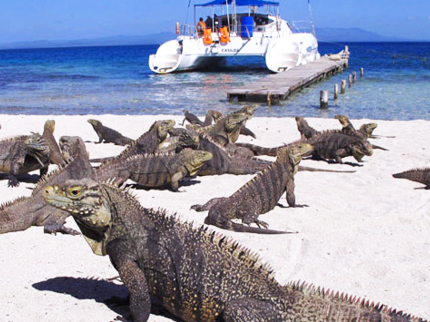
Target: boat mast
(312,18)
(234,16)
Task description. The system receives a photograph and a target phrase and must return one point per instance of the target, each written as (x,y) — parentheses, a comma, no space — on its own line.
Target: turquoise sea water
(117,80)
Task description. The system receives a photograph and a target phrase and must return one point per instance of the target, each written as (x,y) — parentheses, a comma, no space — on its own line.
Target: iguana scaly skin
(55,155)
(22,213)
(195,274)
(418,175)
(22,154)
(155,170)
(259,195)
(109,135)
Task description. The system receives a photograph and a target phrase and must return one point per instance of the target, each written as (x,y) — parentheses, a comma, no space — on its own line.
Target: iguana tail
(302,168)
(232,226)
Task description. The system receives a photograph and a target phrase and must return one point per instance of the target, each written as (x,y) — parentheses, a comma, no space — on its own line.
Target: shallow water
(117,80)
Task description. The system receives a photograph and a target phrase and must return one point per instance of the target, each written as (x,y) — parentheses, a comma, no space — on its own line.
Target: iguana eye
(74,191)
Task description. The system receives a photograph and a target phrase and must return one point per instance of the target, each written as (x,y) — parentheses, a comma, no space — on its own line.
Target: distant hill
(153,39)
(323,35)
(351,35)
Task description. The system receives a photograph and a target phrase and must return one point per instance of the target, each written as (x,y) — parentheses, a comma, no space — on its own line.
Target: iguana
(109,135)
(55,155)
(215,116)
(155,170)
(148,142)
(334,145)
(221,162)
(418,175)
(191,118)
(23,154)
(259,195)
(24,212)
(194,273)
(365,130)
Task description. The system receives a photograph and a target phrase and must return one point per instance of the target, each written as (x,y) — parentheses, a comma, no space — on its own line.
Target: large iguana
(109,135)
(22,154)
(259,195)
(24,212)
(195,274)
(418,175)
(155,170)
(55,155)
(334,145)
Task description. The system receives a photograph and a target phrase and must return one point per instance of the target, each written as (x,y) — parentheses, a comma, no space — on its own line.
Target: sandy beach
(363,233)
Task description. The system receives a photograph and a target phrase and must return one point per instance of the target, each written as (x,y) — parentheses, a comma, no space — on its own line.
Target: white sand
(363,233)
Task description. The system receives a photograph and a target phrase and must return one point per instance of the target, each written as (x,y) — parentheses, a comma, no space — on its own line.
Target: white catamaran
(245,28)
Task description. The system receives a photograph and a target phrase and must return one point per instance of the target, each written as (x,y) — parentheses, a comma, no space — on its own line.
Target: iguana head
(297,152)
(71,146)
(163,128)
(368,128)
(49,126)
(194,159)
(360,150)
(94,123)
(343,119)
(84,200)
(248,110)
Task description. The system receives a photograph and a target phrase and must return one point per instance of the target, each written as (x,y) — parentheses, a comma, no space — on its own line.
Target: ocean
(117,80)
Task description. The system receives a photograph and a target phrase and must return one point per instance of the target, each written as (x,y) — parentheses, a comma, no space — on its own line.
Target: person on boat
(201,25)
(217,25)
(208,22)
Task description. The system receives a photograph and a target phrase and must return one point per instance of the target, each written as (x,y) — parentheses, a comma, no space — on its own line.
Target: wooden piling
(336,91)
(354,77)
(324,99)
(361,72)
(343,86)
(349,81)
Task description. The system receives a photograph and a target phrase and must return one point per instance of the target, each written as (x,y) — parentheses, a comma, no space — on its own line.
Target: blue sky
(28,20)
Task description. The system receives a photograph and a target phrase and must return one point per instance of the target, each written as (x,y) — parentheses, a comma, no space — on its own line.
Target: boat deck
(276,87)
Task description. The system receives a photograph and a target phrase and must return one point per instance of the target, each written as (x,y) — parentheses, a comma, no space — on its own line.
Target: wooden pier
(277,87)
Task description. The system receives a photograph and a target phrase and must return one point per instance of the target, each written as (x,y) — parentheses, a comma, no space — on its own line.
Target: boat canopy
(254,3)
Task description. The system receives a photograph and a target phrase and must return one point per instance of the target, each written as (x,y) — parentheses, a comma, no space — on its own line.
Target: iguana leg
(55,225)
(12,180)
(248,309)
(175,181)
(261,223)
(133,278)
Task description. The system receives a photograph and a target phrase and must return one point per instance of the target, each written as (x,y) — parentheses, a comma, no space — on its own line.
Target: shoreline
(363,233)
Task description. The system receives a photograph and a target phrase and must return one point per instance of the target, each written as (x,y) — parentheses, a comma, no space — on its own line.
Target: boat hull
(281,48)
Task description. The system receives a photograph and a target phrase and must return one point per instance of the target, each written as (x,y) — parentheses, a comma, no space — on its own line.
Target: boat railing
(188,31)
